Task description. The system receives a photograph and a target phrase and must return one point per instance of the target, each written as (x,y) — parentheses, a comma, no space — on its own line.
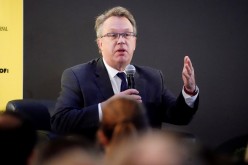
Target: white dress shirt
(116,85)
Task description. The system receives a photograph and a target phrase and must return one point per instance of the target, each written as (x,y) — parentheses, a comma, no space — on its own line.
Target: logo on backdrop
(4,70)
(3,28)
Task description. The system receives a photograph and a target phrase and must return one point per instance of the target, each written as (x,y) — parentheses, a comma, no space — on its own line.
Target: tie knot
(122,76)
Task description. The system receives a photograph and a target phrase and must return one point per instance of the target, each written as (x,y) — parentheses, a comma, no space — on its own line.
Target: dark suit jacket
(86,85)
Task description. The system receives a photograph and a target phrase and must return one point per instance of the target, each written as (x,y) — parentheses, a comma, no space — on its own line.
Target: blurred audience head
(152,148)
(17,138)
(69,150)
(122,118)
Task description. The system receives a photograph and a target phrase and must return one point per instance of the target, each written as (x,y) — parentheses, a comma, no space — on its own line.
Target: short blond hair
(116,11)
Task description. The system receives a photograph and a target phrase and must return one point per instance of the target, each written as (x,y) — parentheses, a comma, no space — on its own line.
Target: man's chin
(122,63)
(122,59)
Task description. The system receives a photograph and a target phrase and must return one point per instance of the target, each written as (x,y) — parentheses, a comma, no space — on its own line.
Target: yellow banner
(11,51)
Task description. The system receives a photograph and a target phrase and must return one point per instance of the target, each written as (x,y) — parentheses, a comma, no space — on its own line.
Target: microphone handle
(130,81)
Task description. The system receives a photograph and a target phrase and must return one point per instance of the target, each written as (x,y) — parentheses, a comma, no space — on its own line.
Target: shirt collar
(111,71)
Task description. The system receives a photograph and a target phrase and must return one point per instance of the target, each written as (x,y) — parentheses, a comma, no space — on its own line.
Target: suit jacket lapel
(104,84)
(102,80)
(140,85)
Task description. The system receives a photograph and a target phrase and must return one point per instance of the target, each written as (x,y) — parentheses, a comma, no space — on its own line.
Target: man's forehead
(117,23)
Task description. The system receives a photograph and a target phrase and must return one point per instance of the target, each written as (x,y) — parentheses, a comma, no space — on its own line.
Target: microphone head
(130,69)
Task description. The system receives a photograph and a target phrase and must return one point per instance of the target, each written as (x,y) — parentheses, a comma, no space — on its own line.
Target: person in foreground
(86,87)
(122,118)
(18,139)
(68,150)
(153,148)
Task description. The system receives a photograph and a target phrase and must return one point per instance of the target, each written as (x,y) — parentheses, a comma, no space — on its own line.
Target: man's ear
(103,140)
(135,43)
(99,44)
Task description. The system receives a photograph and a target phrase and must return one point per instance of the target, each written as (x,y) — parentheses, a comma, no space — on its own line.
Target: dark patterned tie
(122,76)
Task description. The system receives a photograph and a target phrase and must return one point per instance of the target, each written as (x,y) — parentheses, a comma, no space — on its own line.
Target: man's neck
(120,68)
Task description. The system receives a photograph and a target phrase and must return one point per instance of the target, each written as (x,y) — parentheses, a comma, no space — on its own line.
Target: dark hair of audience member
(17,138)
(70,149)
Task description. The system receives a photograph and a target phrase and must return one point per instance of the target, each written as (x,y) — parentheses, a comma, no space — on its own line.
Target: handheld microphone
(130,71)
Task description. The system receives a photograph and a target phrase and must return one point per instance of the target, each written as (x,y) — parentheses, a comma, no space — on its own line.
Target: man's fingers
(188,62)
(188,70)
(186,75)
(136,97)
(131,92)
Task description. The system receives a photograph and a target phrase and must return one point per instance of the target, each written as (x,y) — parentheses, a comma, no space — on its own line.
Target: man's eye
(113,35)
(125,35)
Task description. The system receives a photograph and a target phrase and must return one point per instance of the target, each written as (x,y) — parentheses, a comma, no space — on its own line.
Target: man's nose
(120,39)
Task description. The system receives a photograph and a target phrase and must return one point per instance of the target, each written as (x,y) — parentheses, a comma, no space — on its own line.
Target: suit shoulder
(150,75)
(84,67)
(147,70)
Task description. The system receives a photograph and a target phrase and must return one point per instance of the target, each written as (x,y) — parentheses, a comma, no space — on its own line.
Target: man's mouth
(121,50)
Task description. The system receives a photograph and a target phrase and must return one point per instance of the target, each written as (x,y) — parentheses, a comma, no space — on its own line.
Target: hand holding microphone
(130,71)
(131,91)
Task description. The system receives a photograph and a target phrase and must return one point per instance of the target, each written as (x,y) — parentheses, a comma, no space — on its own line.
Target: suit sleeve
(71,114)
(176,111)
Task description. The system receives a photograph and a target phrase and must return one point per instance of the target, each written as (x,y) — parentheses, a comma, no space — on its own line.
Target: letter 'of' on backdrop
(11,51)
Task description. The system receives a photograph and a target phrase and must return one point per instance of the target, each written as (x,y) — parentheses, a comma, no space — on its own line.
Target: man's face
(117,51)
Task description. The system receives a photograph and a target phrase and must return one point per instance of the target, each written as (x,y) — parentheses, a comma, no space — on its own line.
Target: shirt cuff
(100,112)
(190,100)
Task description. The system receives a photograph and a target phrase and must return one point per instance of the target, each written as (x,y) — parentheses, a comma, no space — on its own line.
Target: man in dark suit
(87,87)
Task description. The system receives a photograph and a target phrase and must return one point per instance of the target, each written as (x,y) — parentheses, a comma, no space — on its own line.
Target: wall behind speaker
(59,34)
